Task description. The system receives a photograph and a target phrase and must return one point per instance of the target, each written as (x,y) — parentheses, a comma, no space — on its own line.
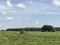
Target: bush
(23,32)
(47,28)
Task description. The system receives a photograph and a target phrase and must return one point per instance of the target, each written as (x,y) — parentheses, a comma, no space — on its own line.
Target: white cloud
(20,5)
(56,2)
(9,18)
(4,12)
(8,2)
(37,22)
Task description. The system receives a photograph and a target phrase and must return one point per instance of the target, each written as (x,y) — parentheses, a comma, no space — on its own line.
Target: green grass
(31,38)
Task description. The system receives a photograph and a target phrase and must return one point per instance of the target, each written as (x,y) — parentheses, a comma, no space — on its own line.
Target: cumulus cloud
(9,18)
(4,12)
(8,2)
(37,22)
(56,2)
(20,5)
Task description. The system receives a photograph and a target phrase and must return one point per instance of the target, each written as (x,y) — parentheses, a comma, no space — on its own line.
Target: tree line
(44,28)
(26,29)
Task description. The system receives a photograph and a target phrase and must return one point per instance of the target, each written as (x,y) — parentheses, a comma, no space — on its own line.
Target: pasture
(31,38)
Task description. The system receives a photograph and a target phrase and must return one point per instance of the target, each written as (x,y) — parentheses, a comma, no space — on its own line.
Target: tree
(48,28)
(44,28)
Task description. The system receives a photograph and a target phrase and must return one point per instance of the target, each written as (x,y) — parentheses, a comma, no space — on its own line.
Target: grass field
(31,38)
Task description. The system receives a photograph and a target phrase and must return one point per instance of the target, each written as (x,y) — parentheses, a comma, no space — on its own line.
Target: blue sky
(29,13)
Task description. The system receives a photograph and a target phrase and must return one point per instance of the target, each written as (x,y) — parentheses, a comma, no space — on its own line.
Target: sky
(29,13)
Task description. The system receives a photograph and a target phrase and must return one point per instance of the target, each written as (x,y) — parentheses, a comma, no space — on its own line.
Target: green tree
(48,28)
